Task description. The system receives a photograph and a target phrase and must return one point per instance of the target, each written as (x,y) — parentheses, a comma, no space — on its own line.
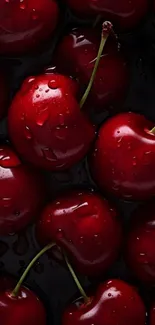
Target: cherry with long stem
(106,30)
(84,295)
(15,291)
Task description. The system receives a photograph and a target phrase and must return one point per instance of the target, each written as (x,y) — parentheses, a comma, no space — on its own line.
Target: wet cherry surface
(49,130)
(21,193)
(54,282)
(114,303)
(123,13)
(123,158)
(86,226)
(33,21)
(79,49)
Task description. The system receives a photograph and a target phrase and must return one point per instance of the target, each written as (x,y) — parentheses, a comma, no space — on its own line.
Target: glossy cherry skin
(22,193)
(124,14)
(3,96)
(140,252)
(124,157)
(79,50)
(86,226)
(26,24)
(152,315)
(115,302)
(23,310)
(46,125)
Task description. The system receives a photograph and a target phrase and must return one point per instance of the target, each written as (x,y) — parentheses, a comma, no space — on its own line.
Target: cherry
(115,302)
(21,192)
(20,305)
(3,95)
(45,122)
(86,227)
(124,156)
(140,252)
(125,14)
(152,315)
(25,24)
(79,50)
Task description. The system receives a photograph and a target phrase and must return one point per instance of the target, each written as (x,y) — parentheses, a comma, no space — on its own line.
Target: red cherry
(124,14)
(25,24)
(3,96)
(46,124)
(79,50)
(124,157)
(152,315)
(140,253)
(24,309)
(86,226)
(115,302)
(21,193)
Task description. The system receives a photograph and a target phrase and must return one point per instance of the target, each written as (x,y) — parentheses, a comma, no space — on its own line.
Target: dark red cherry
(79,51)
(140,252)
(86,227)
(115,302)
(25,24)
(123,158)
(24,309)
(124,14)
(22,193)
(46,124)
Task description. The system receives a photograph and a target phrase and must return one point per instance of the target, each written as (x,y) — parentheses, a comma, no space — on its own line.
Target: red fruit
(3,96)
(152,316)
(21,194)
(140,253)
(86,226)
(114,303)
(25,24)
(79,50)
(46,124)
(123,159)
(124,14)
(24,309)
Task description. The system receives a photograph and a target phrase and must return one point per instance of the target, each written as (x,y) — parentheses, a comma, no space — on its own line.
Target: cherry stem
(85,297)
(153,131)
(106,30)
(15,292)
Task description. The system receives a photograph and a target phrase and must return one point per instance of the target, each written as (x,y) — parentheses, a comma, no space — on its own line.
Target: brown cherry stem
(15,292)
(106,30)
(83,294)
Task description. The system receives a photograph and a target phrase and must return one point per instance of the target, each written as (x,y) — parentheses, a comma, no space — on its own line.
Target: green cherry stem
(153,131)
(83,294)
(15,292)
(106,30)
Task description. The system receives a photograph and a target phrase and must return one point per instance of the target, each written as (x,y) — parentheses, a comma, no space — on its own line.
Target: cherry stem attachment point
(85,297)
(106,30)
(15,292)
(153,130)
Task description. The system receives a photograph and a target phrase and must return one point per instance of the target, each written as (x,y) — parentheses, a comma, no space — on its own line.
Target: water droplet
(59,233)
(53,84)
(36,87)
(37,95)
(137,238)
(5,202)
(47,90)
(7,1)
(134,162)
(58,203)
(129,146)
(27,132)
(23,116)
(61,119)
(42,117)
(17,213)
(81,240)
(34,14)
